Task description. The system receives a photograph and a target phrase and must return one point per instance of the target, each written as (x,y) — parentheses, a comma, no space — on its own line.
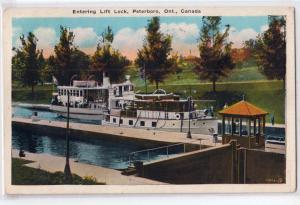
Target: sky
(129,32)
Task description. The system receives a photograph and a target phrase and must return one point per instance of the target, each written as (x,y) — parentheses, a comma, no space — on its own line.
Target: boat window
(154,124)
(142,123)
(77,93)
(64,92)
(130,122)
(114,120)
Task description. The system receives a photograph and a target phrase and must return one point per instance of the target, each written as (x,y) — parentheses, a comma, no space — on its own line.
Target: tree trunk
(283,86)
(32,89)
(214,86)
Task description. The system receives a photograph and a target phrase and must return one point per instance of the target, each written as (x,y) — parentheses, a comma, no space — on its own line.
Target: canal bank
(113,132)
(53,164)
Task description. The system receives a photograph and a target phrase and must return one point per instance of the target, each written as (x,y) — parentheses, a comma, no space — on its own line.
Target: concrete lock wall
(201,167)
(261,167)
(226,164)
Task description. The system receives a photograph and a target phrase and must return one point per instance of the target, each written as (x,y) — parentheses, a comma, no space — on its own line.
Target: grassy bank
(42,94)
(188,76)
(22,175)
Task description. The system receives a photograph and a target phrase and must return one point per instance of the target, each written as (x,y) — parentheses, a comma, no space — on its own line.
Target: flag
(143,72)
(54,80)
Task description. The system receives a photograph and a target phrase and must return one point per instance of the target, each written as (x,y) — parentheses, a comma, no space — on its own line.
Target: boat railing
(128,113)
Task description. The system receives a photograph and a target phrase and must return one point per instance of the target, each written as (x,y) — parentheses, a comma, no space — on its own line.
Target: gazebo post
(249,133)
(223,125)
(259,126)
(264,124)
(254,131)
(232,121)
(241,126)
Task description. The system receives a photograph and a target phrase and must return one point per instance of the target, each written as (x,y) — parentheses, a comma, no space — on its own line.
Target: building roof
(243,108)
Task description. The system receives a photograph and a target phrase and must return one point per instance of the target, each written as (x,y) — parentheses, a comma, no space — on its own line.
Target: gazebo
(245,123)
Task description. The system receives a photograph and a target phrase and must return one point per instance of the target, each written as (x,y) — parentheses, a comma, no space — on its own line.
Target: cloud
(16,33)
(264,28)
(85,37)
(239,37)
(181,31)
(128,41)
(46,37)
(184,38)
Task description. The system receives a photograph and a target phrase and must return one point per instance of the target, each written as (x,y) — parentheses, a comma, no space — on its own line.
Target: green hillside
(188,76)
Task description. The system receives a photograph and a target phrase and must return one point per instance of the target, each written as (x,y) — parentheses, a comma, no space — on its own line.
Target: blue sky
(130,31)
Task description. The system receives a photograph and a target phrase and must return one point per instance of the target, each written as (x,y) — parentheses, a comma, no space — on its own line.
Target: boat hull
(197,126)
(79,113)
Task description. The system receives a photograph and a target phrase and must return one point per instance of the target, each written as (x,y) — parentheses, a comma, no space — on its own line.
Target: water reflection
(102,152)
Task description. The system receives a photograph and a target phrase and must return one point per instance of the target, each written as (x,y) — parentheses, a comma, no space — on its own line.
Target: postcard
(149,99)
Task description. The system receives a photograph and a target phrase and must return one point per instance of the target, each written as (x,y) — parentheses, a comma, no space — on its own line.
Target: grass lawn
(22,175)
(188,76)
(42,94)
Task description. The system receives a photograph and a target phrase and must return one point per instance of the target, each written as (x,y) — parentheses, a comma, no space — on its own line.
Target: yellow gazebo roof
(243,108)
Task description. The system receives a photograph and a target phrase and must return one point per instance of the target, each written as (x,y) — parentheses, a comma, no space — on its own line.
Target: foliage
(107,59)
(271,49)
(240,56)
(22,175)
(28,61)
(80,64)
(63,56)
(155,56)
(215,51)
(49,69)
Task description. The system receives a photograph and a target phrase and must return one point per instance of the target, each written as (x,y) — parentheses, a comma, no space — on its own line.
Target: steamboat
(119,105)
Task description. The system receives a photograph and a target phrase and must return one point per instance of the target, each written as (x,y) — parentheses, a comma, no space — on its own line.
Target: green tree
(49,69)
(26,61)
(155,56)
(41,63)
(63,56)
(271,49)
(80,62)
(107,59)
(215,51)
(18,66)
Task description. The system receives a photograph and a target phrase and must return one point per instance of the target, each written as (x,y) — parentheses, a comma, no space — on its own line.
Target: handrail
(156,148)
(132,154)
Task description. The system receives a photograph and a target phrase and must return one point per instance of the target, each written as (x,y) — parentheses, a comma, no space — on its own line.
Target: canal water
(103,151)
